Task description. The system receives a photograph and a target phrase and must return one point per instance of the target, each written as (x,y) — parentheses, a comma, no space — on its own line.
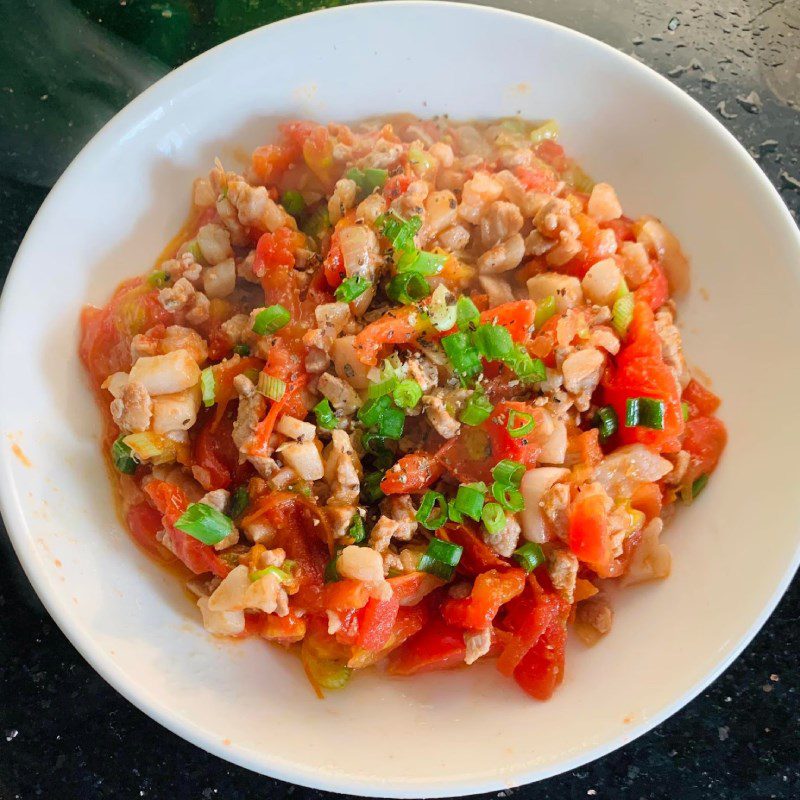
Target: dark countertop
(67,67)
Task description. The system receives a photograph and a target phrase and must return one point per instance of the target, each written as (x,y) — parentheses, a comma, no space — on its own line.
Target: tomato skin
(394,327)
(588,532)
(216,453)
(655,290)
(641,372)
(345,595)
(376,623)
(705,440)
(489,592)
(272,160)
(144,522)
(517,316)
(536,180)
(542,669)
(702,402)
(396,185)
(171,501)
(437,646)
(412,587)
(526,619)
(334,264)
(477,556)
(412,473)
(504,445)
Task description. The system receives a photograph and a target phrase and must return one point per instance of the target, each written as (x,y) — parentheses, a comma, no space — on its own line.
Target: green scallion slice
(398,231)
(622,313)
(391,423)
(376,446)
(453,513)
(331,574)
(271,319)
(373,410)
(441,558)
(356,530)
(426,516)
(351,288)
(408,288)
(122,456)
(494,342)
(544,311)
(420,261)
(157,279)
(371,491)
(525,367)
(508,472)
(271,387)
(276,572)
(407,393)
(494,518)
(467,315)
(204,523)
(510,499)
(241,349)
(239,500)
(607,422)
(685,411)
(520,423)
(469,500)
(325,416)
(645,412)
(463,355)
(477,409)
(529,556)
(375,390)
(293,202)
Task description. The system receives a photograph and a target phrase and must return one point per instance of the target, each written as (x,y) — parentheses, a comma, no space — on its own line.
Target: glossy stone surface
(66,68)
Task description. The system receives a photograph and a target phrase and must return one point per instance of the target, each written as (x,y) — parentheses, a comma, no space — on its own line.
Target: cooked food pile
(410,391)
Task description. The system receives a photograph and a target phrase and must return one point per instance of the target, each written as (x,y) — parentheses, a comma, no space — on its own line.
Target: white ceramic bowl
(443,734)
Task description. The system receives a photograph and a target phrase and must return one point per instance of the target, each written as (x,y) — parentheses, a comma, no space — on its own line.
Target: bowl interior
(445,734)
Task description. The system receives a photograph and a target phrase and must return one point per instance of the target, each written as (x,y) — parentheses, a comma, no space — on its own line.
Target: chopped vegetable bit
(426,516)
(646,412)
(520,423)
(205,523)
(351,288)
(123,457)
(529,556)
(477,409)
(271,319)
(606,421)
(325,416)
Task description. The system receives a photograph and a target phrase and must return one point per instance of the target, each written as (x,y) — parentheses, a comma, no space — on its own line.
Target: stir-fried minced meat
(407,390)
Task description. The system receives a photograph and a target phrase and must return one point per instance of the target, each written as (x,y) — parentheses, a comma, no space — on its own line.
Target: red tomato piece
(489,592)
(552,153)
(216,453)
(504,445)
(412,473)
(705,440)
(702,402)
(542,668)
(345,595)
(376,623)
(144,522)
(517,316)
(655,290)
(588,532)
(477,556)
(437,646)
(396,185)
(392,328)
(412,587)
(622,227)
(536,180)
(334,264)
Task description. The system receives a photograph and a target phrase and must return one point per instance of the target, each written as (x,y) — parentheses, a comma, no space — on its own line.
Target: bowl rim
(290,771)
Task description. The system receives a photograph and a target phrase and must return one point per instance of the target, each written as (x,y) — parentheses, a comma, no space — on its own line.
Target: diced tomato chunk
(437,646)
(588,533)
(517,317)
(376,623)
(542,668)
(705,440)
(412,473)
(702,402)
(489,592)
(477,556)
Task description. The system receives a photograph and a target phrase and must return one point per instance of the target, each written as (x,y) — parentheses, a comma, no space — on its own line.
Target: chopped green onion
(698,485)
(204,523)
(239,500)
(494,342)
(352,287)
(374,409)
(376,446)
(420,261)
(508,472)
(463,355)
(544,311)
(371,490)
(467,315)
(274,571)
(407,393)
(331,574)
(548,130)
(644,412)
(325,416)
(293,202)
(271,319)
(529,556)
(685,411)
(356,530)
(469,500)
(425,515)
(520,423)
(441,558)
(157,279)
(398,231)
(367,180)
(607,422)
(407,288)
(477,409)
(122,456)
(494,518)
(241,349)
(392,423)
(194,245)
(375,390)
(271,387)
(317,223)
(419,160)
(622,313)
(453,513)
(510,499)
(524,366)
